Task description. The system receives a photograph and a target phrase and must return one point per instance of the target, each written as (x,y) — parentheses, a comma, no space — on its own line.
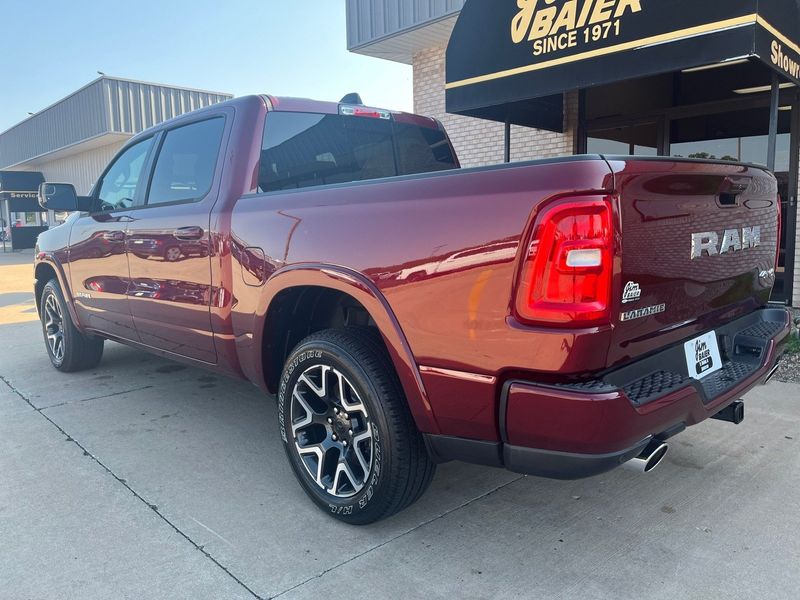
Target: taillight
(566,278)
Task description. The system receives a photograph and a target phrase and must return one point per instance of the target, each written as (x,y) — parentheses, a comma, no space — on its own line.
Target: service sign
(505,51)
(22,201)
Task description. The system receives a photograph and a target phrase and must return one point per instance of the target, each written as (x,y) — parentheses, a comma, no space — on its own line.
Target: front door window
(121,183)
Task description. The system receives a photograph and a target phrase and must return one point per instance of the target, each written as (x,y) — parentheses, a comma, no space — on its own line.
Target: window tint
(186,162)
(304,149)
(121,182)
(422,150)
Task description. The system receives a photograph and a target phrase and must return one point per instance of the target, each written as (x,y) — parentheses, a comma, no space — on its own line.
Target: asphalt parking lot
(146,479)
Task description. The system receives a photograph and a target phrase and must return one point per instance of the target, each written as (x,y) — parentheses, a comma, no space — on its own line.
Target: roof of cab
(290,104)
(284,104)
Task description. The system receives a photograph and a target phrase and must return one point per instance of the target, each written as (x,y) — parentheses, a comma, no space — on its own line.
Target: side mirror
(62,197)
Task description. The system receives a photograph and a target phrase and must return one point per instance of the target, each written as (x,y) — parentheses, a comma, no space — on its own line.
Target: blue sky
(281,47)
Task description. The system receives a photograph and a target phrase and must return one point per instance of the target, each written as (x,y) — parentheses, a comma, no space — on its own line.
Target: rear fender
(364,291)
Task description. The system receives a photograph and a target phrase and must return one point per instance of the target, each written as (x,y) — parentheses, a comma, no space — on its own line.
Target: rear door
(98,266)
(169,243)
(699,244)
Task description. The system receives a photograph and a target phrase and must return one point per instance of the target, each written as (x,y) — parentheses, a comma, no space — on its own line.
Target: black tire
(400,469)
(173,253)
(77,352)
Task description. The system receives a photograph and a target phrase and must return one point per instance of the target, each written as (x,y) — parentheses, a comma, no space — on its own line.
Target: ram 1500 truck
(558,318)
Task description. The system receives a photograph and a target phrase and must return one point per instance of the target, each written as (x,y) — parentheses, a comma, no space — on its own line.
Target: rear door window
(422,150)
(186,162)
(308,149)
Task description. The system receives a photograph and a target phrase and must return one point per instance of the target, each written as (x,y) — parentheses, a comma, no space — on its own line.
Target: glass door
(628,140)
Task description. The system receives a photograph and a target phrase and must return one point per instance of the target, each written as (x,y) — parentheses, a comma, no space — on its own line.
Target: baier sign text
(551,27)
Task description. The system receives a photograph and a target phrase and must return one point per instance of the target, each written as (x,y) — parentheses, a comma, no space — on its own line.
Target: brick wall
(479,142)
(81,169)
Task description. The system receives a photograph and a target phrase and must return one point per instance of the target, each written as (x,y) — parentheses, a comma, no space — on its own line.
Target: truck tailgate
(698,247)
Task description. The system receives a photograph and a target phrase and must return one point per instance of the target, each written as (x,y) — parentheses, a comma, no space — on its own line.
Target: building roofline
(359,49)
(110,78)
(90,141)
(164,85)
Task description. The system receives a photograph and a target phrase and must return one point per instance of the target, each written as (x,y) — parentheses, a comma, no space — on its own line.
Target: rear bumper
(576,431)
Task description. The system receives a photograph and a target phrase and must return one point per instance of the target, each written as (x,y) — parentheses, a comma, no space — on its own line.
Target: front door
(169,245)
(98,266)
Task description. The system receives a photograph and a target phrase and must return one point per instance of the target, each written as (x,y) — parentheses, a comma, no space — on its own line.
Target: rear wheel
(69,350)
(347,429)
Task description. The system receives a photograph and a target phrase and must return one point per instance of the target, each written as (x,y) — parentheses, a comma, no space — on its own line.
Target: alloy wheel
(173,254)
(332,431)
(54,327)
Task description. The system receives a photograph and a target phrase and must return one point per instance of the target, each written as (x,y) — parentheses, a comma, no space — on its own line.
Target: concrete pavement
(146,479)
(16,280)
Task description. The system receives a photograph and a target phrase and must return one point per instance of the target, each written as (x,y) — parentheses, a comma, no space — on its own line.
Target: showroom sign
(784,61)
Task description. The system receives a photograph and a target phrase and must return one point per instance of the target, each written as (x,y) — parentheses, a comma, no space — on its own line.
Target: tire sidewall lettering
(50,292)
(289,369)
(362,500)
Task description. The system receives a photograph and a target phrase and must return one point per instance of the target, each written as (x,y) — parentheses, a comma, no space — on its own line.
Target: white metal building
(73,139)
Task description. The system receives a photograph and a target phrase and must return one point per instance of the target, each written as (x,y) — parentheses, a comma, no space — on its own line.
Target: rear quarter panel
(441,250)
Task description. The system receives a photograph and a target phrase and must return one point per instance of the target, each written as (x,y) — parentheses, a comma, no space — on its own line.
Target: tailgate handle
(731,191)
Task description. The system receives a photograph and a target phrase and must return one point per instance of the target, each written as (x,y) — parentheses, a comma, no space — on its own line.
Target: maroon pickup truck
(558,318)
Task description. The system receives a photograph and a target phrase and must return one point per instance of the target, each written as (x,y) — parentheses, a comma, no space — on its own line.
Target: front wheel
(69,350)
(347,429)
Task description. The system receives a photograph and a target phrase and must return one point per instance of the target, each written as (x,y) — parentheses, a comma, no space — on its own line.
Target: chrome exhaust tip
(649,458)
(772,372)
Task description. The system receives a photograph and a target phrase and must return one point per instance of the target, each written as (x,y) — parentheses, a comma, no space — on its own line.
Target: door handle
(114,236)
(188,233)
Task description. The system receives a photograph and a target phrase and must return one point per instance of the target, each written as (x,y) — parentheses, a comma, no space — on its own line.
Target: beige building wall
(479,142)
(81,169)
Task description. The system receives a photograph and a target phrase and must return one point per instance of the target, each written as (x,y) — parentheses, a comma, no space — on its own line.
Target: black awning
(20,181)
(503,53)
